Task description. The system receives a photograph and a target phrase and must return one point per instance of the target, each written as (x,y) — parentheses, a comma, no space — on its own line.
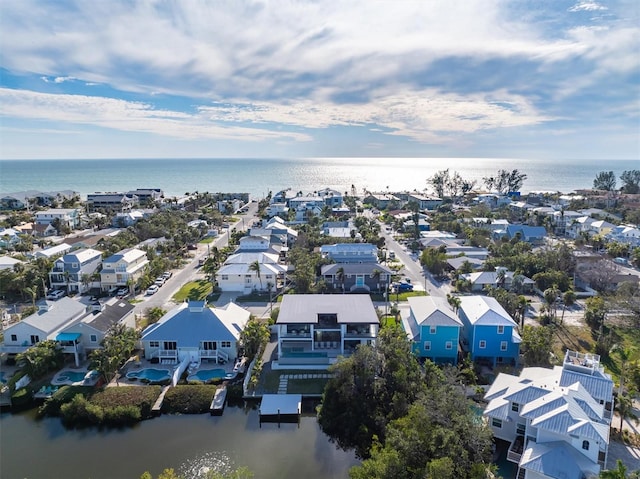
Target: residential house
(314,329)
(146,195)
(284,196)
(69,217)
(278,227)
(229,207)
(563,219)
(489,333)
(71,271)
(433,328)
(490,224)
(25,199)
(492,200)
(7,262)
(380,200)
(556,421)
(127,218)
(9,237)
(356,277)
(123,269)
(628,234)
(482,280)
(458,262)
(237,273)
(332,198)
(306,207)
(86,335)
(53,252)
(277,209)
(425,202)
(339,229)
(45,324)
(534,235)
(197,332)
(454,249)
(350,252)
(44,231)
(111,201)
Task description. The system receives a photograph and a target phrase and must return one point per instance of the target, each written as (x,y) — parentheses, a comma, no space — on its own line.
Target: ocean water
(259,176)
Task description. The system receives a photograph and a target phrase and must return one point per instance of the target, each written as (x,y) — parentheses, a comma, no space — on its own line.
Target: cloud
(587,7)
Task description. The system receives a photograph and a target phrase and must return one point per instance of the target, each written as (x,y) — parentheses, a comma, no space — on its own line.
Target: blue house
(434,329)
(489,333)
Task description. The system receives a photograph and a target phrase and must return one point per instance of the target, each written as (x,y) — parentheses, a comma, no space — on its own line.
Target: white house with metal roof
(556,421)
(314,329)
(70,271)
(237,274)
(196,331)
(123,268)
(45,324)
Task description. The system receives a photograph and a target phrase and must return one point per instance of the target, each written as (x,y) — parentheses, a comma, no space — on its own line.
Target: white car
(56,294)
(166,275)
(122,292)
(153,289)
(159,281)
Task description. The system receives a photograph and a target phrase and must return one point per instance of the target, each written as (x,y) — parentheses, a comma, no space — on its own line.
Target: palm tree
(255,267)
(501,278)
(340,277)
(454,302)
(624,407)
(550,298)
(376,276)
(32,291)
(568,300)
(270,288)
(620,472)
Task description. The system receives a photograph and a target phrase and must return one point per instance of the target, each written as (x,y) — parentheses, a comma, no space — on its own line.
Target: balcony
(585,363)
(515,449)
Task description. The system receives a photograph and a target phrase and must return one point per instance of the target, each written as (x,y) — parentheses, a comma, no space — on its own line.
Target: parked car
(56,294)
(159,281)
(392,255)
(166,275)
(122,292)
(401,287)
(153,289)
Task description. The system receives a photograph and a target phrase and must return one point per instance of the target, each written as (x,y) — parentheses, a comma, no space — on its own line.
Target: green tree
(117,346)
(605,180)
(568,300)
(40,359)
(154,314)
(624,408)
(630,181)
(536,344)
(32,291)
(595,312)
(253,337)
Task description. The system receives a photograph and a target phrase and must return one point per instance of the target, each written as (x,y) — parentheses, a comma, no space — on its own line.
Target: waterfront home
(111,201)
(380,200)
(71,271)
(146,195)
(433,328)
(350,252)
(314,329)
(123,269)
(83,336)
(24,199)
(555,420)
(127,218)
(276,209)
(69,217)
(356,277)
(195,331)
(482,280)
(284,196)
(425,202)
(489,333)
(332,198)
(50,318)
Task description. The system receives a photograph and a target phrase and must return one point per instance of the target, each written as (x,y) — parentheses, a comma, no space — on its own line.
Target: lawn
(208,239)
(269,382)
(194,290)
(393,297)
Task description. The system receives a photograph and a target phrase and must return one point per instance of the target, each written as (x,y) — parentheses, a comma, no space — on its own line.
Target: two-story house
(433,328)
(556,421)
(350,252)
(123,269)
(356,277)
(71,271)
(239,272)
(314,329)
(489,333)
(69,217)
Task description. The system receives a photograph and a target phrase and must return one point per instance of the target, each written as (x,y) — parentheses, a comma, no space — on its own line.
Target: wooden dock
(157,406)
(280,408)
(218,402)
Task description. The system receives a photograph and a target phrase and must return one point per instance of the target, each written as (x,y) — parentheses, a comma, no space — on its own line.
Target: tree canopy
(605,180)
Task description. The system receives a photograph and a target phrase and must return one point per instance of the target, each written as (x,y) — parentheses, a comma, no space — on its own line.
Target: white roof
(54,250)
(348,308)
(243,268)
(249,257)
(59,313)
(433,311)
(485,311)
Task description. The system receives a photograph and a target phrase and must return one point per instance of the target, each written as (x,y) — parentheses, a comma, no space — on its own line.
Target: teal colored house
(434,329)
(489,333)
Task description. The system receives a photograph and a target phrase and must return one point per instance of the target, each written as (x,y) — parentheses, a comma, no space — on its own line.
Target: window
(496,423)
(515,407)
(433,329)
(154,344)
(500,329)
(448,345)
(503,345)
(35,339)
(585,445)
(170,346)
(520,429)
(247,280)
(209,345)
(483,344)
(226,344)
(224,277)
(93,338)
(14,337)
(427,345)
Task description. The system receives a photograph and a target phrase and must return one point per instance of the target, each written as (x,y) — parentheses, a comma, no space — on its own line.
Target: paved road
(191,271)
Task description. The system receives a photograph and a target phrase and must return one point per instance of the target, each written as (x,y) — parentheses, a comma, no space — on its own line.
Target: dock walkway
(157,406)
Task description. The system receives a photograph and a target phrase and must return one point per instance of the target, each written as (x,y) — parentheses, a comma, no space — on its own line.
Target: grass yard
(575,338)
(269,382)
(207,240)
(194,290)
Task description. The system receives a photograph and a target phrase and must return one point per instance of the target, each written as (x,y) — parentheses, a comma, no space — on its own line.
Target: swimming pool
(150,374)
(206,375)
(72,377)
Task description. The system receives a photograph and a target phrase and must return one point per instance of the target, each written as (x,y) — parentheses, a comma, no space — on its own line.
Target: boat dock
(157,406)
(219,399)
(280,408)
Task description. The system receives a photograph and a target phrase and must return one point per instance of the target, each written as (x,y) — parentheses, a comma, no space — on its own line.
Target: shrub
(122,415)
(140,398)
(51,407)
(21,397)
(188,399)
(80,412)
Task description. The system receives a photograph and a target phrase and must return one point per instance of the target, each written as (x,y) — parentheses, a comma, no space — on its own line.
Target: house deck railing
(515,449)
(14,349)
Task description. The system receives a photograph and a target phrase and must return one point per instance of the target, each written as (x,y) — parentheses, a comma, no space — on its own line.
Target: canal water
(44,449)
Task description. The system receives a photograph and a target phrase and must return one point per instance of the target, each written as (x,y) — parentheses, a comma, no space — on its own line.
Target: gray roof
(349,308)
(59,313)
(190,323)
(110,315)
(458,261)
(432,311)
(485,311)
(555,459)
(598,386)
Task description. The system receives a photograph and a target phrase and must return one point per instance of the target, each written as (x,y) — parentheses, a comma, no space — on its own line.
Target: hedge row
(188,399)
(142,398)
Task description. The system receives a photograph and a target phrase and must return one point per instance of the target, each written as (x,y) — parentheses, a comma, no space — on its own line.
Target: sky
(294,79)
